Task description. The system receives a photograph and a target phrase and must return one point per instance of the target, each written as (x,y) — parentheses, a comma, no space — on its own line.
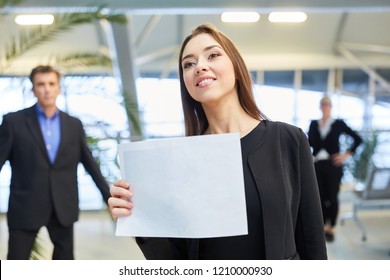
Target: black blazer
(331,142)
(39,187)
(283,170)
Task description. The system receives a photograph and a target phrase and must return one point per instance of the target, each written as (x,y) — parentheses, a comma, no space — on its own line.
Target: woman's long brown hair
(195,120)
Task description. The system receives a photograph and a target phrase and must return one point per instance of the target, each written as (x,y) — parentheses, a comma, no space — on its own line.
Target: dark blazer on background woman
(331,142)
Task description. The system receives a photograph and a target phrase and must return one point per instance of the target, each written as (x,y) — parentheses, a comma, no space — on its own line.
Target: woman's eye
(213,55)
(188,64)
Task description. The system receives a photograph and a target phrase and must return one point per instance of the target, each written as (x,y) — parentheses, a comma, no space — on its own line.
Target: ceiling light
(34,19)
(287,17)
(240,17)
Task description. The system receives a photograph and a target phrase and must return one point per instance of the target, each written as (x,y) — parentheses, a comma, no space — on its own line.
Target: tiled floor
(95,238)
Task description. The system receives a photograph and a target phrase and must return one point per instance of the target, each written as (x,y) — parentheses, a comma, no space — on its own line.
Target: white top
(324,131)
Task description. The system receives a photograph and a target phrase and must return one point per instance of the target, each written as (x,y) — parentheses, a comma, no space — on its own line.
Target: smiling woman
(208,72)
(281,194)
(211,51)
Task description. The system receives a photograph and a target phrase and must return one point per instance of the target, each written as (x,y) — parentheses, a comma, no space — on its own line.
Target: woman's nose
(201,65)
(201,68)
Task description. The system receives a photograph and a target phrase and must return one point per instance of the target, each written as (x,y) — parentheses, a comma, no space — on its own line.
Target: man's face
(46,88)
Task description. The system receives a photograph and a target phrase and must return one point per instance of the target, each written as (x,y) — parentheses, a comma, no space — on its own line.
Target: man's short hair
(43,69)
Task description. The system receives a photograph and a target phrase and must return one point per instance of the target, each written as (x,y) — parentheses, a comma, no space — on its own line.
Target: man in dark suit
(44,147)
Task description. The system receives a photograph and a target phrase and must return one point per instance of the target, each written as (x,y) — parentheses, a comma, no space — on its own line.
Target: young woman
(283,206)
(324,137)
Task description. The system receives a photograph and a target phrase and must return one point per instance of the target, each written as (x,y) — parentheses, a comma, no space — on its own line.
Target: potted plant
(362,162)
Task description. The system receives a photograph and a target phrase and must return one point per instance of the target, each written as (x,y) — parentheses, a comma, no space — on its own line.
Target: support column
(368,104)
(297,88)
(124,70)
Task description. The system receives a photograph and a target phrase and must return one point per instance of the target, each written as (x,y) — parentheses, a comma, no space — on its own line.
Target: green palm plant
(362,161)
(37,252)
(31,38)
(83,60)
(4,3)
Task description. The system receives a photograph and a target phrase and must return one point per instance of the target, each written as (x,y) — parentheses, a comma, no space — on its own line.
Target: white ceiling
(337,34)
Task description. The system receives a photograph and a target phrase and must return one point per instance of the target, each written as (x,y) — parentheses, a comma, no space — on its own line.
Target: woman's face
(326,108)
(207,70)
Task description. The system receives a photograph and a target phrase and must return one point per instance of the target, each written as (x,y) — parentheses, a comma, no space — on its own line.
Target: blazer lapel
(35,130)
(266,165)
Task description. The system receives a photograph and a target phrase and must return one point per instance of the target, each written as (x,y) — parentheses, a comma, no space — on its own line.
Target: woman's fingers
(120,201)
(119,207)
(122,184)
(121,189)
(116,202)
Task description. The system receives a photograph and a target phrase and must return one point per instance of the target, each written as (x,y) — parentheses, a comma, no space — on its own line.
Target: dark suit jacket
(39,187)
(331,143)
(283,170)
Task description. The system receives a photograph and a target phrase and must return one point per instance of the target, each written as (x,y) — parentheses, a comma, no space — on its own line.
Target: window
(97,101)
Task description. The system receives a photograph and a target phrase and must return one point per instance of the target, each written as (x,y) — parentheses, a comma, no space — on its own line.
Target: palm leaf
(37,252)
(133,114)
(83,60)
(4,3)
(362,161)
(39,35)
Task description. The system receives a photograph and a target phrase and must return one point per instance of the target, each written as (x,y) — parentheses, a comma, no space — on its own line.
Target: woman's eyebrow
(205,49)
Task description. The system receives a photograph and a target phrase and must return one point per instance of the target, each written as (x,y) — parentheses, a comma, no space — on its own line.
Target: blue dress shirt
(51,131)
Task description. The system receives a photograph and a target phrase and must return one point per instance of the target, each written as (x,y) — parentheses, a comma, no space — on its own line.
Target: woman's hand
(120,203)
(338,159)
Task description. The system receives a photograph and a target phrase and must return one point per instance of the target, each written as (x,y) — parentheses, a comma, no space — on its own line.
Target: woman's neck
(325,117)
(229,120)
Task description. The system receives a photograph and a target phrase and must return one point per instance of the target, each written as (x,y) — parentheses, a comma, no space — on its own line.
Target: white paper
(190,187)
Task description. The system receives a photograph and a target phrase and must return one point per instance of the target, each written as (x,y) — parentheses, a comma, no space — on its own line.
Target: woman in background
(324,137)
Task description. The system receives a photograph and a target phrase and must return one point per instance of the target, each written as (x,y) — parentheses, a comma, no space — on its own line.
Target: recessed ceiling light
(287,17)
(240,17)
(34,19)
